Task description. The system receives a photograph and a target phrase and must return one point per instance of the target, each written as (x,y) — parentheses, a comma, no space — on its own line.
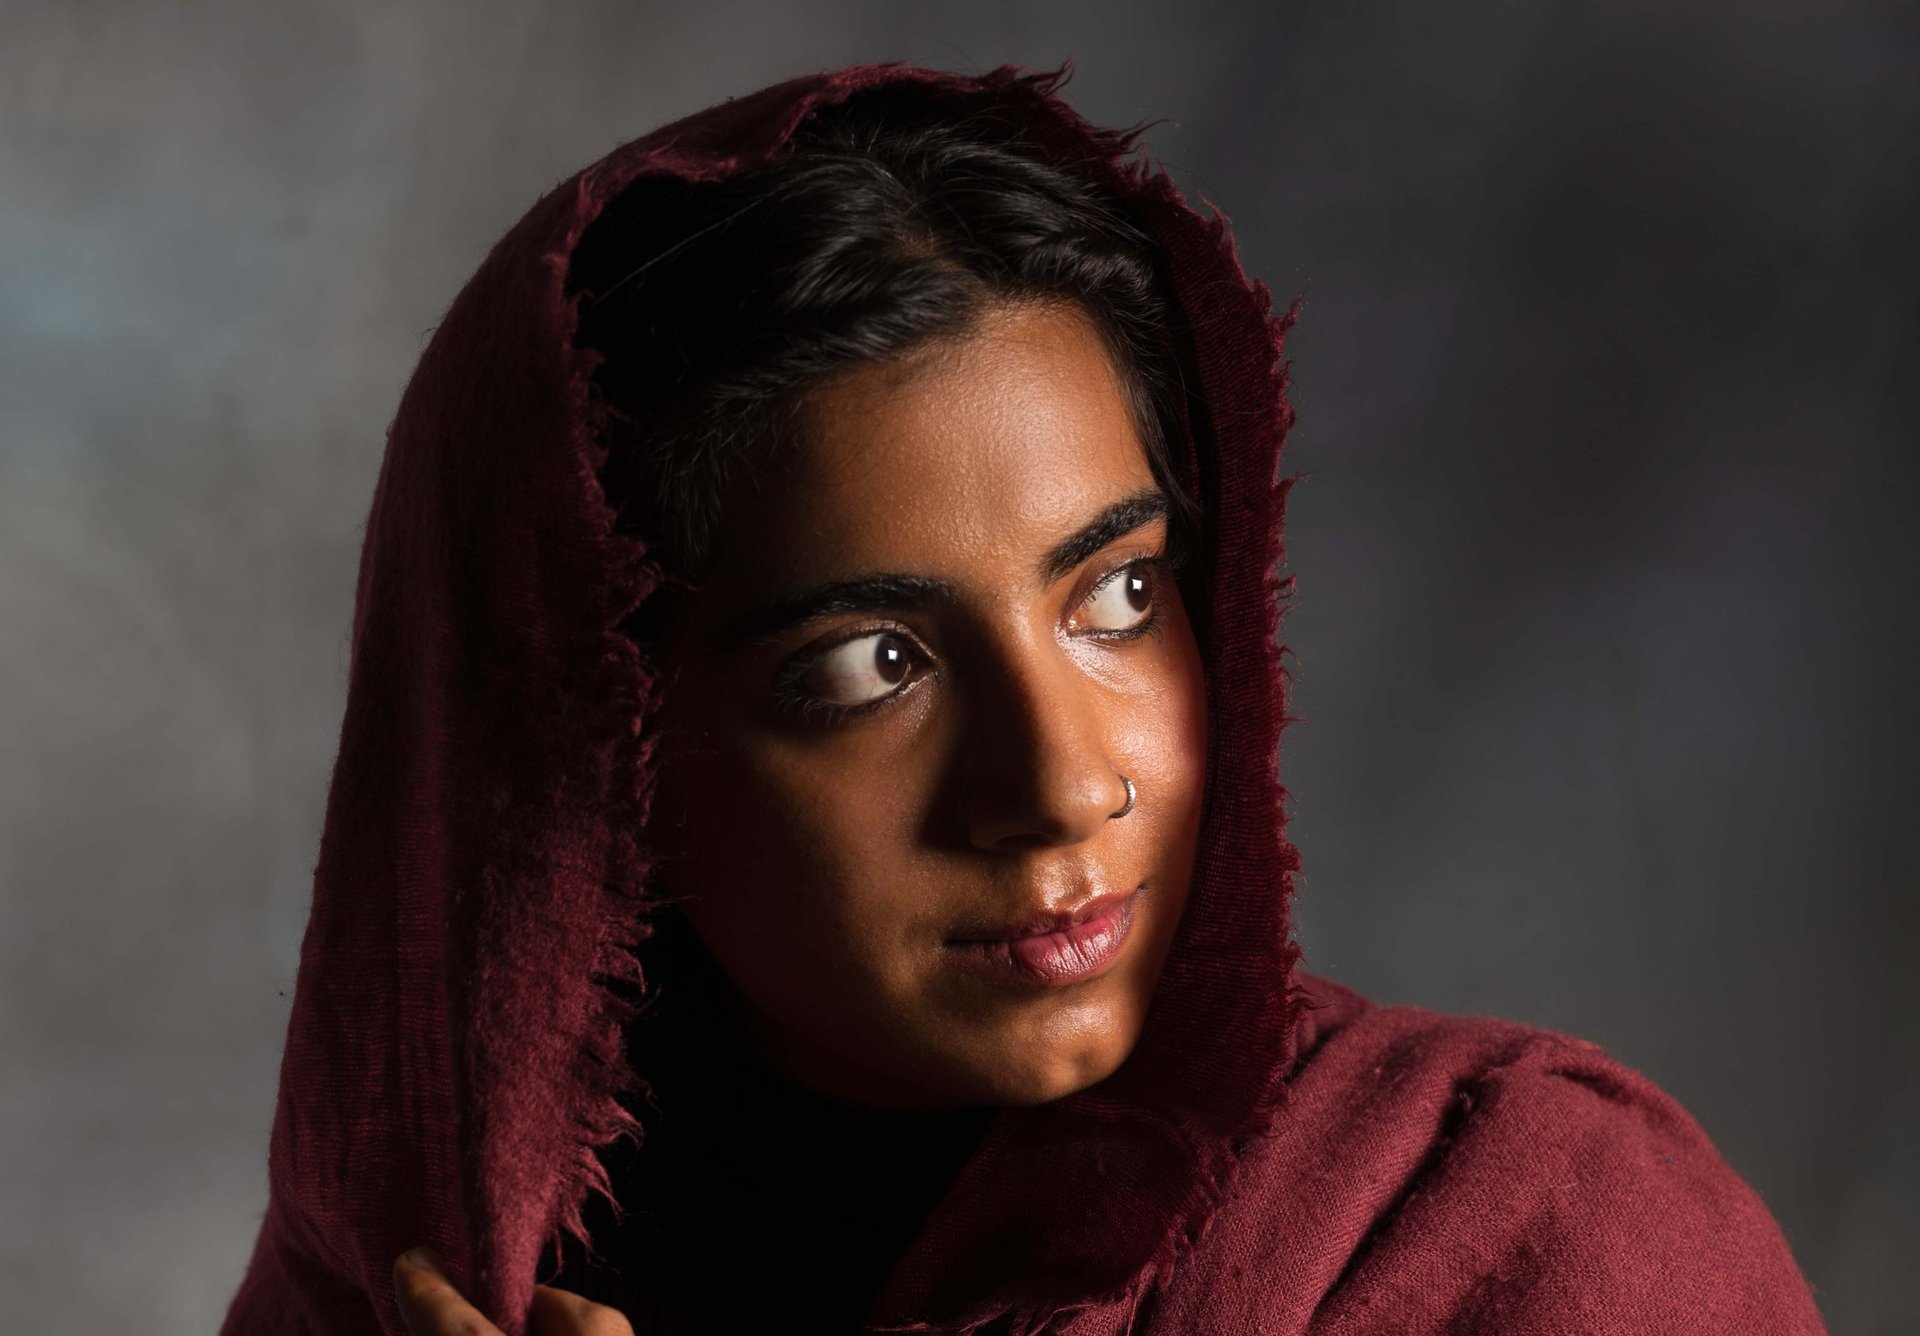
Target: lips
(1051,949)
(1048,921)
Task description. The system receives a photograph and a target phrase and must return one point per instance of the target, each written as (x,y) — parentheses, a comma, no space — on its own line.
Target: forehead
(1000,442)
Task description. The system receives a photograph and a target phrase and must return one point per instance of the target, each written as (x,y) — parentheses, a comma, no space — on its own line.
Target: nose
(1037,769)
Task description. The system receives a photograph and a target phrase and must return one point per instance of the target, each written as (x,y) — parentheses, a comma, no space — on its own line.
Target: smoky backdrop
(1604,633)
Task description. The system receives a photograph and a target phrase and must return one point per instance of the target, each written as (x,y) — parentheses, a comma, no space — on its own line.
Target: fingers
(558,1313)
(429,1304)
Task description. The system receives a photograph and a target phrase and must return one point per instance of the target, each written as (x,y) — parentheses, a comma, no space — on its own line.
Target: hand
(432,1307)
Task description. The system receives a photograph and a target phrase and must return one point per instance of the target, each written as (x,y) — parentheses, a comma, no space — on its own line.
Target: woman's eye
(1124,601)
(857,672)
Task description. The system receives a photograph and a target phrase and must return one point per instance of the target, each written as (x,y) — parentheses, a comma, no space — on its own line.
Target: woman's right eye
(861,671)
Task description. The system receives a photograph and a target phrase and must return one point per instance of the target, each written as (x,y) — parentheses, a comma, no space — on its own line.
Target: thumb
(560,1313)
(429,1304)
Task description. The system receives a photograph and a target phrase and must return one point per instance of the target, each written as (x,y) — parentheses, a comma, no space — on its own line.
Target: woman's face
(899,715)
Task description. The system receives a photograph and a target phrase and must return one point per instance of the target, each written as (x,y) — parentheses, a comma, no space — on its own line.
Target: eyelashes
(874,667)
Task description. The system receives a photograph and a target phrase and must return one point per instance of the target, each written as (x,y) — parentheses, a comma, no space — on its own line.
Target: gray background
(1606,566)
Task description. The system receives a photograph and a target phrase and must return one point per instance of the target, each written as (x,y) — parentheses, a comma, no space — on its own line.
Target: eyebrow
(902,591)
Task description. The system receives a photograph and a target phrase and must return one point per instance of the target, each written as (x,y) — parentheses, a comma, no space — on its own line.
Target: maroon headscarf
(455,1060)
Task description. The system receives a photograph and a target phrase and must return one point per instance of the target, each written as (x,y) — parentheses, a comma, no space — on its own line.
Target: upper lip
(1046,920)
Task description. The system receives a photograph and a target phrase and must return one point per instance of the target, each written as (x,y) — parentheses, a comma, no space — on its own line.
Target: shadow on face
(902,705)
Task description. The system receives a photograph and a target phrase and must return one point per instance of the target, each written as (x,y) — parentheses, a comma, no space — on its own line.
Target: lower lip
(1052,959)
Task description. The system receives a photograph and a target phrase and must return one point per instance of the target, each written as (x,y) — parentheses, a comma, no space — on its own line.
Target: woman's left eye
(1123,601)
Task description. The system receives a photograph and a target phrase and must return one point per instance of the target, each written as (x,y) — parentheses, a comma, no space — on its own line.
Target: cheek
(1162,743)
(794,869)
(1159,735)
(1185,713)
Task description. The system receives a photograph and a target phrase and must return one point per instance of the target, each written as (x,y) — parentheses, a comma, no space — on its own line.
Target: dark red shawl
(1278,1155)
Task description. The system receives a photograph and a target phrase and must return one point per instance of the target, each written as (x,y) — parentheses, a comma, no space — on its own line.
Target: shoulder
(1431,1171)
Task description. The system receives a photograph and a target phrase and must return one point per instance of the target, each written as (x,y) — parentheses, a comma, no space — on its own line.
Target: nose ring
(1130,795)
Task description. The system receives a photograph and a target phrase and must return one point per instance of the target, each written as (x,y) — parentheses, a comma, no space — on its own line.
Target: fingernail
(419,1257)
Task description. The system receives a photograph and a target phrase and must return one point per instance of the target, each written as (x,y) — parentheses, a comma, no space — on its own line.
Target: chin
(1056,1074)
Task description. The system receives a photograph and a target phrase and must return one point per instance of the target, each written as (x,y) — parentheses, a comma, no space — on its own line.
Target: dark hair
(889,220)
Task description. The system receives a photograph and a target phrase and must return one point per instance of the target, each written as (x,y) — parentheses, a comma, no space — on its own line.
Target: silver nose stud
(1130,795)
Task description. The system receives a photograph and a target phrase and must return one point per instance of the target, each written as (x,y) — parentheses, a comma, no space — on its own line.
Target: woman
(806,851)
